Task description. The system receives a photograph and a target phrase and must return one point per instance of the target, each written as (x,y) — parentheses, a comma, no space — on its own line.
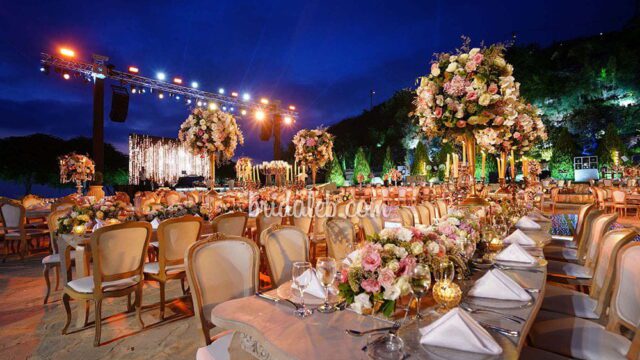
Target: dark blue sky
(323,56)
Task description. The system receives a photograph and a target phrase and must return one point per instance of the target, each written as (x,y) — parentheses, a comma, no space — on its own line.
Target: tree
(609,143)
(336,175)
(387,163)
(564,149)
(420,160)
(361,166)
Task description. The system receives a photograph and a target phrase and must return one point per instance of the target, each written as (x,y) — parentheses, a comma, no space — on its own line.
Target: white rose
(452,67)
(387,234)
(400,252)
(361,302)
(417,248)
(484,99)
(403,284)
(433,248)
(404,234)
(474,51)
(392,292)
(393,265)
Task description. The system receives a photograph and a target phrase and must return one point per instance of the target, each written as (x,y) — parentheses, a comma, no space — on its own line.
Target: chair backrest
(582,213)
(123,196)
(304,221)
(371,225)
(52,224)
(172,197)
(589,233)
(234,223)
(341,236)
(423,214)
(220,268)
(442,208)
(174,237)
(341,209)
(619,196)
(612,242)
(119,251)
(624,310)
(594,243)
(406,216)
(284,245)
(608,182)
(263,222)
(561,183)
(31,200)
(13,214)
(62,205)
(432,211)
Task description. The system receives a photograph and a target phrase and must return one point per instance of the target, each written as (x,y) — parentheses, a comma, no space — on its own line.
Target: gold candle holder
(447,294)
(495,244)
(79,229)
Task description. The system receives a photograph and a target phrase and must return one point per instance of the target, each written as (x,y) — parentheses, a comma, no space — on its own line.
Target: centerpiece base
(474,200)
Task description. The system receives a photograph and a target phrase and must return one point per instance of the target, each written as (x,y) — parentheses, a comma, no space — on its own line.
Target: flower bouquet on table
(314,148)
(76,168)
(378,274)
(394,175)
(76,221)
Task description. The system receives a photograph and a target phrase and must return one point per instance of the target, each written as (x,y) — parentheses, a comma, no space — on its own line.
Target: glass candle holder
(79,229)
(495,244)
(447,294)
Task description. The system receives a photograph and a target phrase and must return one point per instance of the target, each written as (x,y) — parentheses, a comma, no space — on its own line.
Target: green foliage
(361,166)
(564,149)
(491,166)
(336,175)
(609,143)
(441,157)
(387,163)
(420,160)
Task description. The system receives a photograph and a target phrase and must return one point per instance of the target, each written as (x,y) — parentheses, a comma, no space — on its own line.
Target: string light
(161,76)
(194,84)
(246,97)
(221,91)
(133,69)
(67,52)
(177,81)
(213,106)
(264,101)
(160,95)
(66,76)
(292,108)
(288,120)
(234,94)
(243,112)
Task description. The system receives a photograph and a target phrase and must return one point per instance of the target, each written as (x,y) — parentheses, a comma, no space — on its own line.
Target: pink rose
(371,261)
(470,66)
(438,112)
(472,95)
(311,142)
(517,135)
(493,88)
(407,265)
(498,120)
(477,58)
(461,123)
(370,285)
(386,277)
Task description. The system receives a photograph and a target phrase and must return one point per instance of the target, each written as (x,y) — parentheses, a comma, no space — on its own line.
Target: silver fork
(514,318)
(357,333)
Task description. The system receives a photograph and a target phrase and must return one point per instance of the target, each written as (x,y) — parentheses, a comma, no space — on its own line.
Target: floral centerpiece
(394,175)
(76,220)
(76,168)
(314,148)
(106,209)
(212,133)
(243,169)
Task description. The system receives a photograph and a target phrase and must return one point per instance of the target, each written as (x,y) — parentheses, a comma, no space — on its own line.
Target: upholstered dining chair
(406,216)
(423,214)
(585,339)
(592,305)
(284,245)
(371,224)
(568,250)
(62,205)
(15,229)
(52,261)
(234,223)
(341,237)
(263,222)
(31,200)
(174,237)
(172,198)
(220,268)
(587,254)
(620,204)
(433,213)
(118,253)
(442,208)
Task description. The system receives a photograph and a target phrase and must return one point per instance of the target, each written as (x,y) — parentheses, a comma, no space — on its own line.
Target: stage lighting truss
(99,69)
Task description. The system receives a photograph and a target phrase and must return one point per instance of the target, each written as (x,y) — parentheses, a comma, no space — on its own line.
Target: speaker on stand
(119,103)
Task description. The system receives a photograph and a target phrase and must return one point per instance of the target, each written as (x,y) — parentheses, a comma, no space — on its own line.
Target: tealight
(495,244)
(79,229)
(447,294)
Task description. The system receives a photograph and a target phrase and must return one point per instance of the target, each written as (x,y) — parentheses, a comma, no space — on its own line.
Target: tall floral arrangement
(467,91)
(76,168)
(212,133)
(314,148)
(243,168)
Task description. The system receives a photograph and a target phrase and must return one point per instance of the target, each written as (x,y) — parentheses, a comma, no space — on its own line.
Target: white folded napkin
(539,217)
(497,285)
(315,288)
(99,224)
(519,237)
(515,253)
(526,223)
(155,223)
(352,257)
(458,330)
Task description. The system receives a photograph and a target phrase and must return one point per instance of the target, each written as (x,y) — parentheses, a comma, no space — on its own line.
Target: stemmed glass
(420,283)
(443,270)
(326,268)
(301,274)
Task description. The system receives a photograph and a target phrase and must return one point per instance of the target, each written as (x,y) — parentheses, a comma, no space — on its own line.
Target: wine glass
(302,273)
(420,283)
(326,268)
(443,270)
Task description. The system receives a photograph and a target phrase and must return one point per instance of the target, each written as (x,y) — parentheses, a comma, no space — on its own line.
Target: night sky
(322,56)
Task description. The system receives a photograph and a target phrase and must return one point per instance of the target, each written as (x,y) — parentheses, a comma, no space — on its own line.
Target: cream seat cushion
(85,284)
(560,252)
(575,337)
(564,268)
(570,302)
(55,258)
(154,268)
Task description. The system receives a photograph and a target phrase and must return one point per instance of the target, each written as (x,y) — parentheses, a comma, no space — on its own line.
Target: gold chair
(371,225)
(220,268)
(424,215)
(118,253)
(234,223)
(52,261)
(174,237)
(15,229)
(442,208)
(406,216)
(284,245)
(341,237)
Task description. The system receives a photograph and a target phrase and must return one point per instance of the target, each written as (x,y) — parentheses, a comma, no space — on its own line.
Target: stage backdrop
(163,159)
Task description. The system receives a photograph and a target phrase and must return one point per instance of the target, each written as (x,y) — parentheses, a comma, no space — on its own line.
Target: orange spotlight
(259,115)
(67,52)
(264,101)
(177,80)
(292,108)
(288,120)
(133,69)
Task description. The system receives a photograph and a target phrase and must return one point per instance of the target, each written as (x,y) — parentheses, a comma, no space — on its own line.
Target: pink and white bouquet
(466,92)
(314,148)
(211,132)
(76,168)
(526,131)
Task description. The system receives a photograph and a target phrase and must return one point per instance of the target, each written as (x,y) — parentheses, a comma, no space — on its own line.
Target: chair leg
(184,289)
(45,273)
(129,306)
(56,271)
(98,310)
(86,313)
(67,308)
(138,305)
(162,299)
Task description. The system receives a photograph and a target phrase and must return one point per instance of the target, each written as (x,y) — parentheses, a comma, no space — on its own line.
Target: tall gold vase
(212,170)
(469,147)
(502,173)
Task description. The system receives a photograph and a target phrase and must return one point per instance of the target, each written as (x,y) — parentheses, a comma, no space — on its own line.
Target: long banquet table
(270,331)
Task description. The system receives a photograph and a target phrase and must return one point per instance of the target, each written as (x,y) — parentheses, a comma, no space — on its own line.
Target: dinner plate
(285,291)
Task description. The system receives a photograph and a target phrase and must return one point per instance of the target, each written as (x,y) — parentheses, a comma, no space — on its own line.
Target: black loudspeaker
(266,128)
(119,103)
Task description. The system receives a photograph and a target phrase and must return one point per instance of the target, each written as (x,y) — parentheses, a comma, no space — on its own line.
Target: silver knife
(500,330)
(275,299)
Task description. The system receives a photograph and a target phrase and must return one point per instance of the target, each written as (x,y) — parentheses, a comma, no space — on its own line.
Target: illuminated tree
(361,166)
(564,149)
(420,160)
(609,143)
(387,163)
(336,175)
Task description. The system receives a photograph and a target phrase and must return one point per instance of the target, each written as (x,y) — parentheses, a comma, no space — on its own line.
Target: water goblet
(443,269)
(326,271)
(302,273)
(420,283)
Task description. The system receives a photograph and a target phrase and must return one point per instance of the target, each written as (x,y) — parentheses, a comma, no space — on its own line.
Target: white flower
(452,67)
(400,252)
(392,292)
(417,248)
(404,234)
(433,248)
(393,265)
(361,302)
(403,284)
(387,233)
